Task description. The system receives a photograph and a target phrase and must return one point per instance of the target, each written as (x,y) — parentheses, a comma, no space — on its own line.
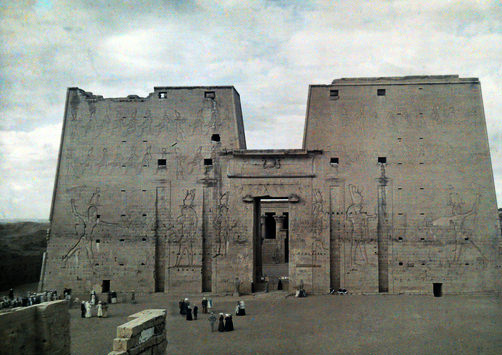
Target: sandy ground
(349,324)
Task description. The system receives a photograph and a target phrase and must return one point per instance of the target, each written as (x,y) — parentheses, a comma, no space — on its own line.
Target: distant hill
(22,245)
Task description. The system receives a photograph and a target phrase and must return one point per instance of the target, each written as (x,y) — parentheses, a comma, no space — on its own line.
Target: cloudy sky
(269,50)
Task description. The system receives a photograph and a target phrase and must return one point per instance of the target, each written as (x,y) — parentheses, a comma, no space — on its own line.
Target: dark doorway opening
(437,289)
(271,243)
(105,287)
(270,227)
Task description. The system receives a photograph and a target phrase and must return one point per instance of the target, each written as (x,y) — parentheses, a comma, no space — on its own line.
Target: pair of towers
(392,191)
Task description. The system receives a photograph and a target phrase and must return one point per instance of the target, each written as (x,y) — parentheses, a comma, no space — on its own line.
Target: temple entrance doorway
(271,243)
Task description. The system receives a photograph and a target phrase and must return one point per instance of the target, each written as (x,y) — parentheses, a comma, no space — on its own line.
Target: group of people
(186,309)
(30,299)
(87,306)
(225,322)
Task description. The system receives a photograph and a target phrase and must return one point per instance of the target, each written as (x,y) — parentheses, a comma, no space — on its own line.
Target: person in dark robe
(11,294)
(221,325)
(229,324)
(195,310)
(82,309)
(204,305)
(242,308)
(186,303)
(180,303)
(189,313)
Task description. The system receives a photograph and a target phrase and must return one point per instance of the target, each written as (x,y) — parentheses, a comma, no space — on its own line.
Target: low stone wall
(145,333)
(39,329)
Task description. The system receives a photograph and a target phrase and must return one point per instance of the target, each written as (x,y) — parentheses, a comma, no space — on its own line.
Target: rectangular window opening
(210,95)
(381,92)
(334,160)
(382,160)
(215,137)
(161,163)
(163,95)
(333,94)
(208,162)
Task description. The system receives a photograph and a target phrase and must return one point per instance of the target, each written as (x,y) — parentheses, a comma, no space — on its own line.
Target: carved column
(279,238)
(263,228)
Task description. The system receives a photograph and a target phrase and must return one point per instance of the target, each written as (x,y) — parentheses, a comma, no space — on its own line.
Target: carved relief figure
(74,103)
(92,109)
(319,223)
(195,161)
(187,222)
(358,226)
(223,228)
(144,128)
(132,160)
(456,222)
(85,224)
(147,158)
(103,162)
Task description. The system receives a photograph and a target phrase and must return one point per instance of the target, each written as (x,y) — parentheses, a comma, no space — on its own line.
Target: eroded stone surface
(392,191)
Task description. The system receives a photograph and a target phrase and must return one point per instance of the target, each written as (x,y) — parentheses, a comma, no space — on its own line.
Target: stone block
(124,344)
(153,341)
(135,326)
(147,312)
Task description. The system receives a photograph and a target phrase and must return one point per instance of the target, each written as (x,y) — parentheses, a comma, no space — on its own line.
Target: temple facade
(392,191)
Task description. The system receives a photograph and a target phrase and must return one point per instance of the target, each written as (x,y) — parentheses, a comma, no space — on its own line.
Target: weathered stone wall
(145,333)
(392,191)
(40,329)
(131,177)
(426,215)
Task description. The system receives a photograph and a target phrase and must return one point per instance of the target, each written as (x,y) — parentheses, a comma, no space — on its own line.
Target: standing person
(221,325)
(82,309)
(212,320)
(195,310)
(93,298)
(181,304)
(240,309)
(133,297)
(229,324)
(189,313)
(88,312)
(204,305)
(185,306)
(100,310)
(11,294)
